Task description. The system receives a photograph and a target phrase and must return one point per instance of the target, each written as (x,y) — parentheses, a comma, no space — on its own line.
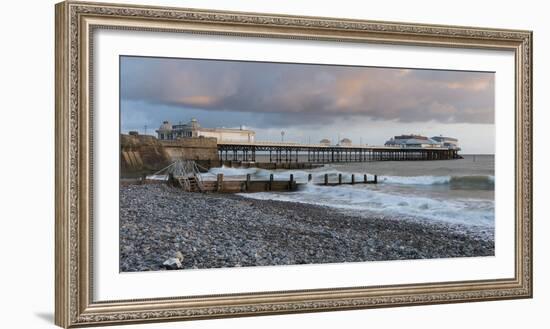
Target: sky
(309,102)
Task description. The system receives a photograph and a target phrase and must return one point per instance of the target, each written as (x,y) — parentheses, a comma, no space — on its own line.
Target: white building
(324,141)
(345,142)
(415,141)
(449,142)
(167,131)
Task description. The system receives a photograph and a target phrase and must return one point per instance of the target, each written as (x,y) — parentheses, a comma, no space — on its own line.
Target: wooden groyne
(237,185)
(187,175)
(360,179)
(223,184)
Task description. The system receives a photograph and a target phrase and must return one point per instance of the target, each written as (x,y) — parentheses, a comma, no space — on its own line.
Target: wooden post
(219,184)
(352,179)
(375,179)
(290,182)
(270,181)
(365,178)
(247,182)
(339,179)
(326,179)
(309,177)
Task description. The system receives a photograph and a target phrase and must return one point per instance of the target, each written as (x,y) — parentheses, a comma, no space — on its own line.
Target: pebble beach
(227,230)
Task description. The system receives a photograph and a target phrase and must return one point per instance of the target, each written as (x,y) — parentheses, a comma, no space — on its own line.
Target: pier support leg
(326,179)
(339,179)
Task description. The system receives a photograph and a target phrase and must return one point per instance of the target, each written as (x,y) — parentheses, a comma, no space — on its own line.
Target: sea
(457,191)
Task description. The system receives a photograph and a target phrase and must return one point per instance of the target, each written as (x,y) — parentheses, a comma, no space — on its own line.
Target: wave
(464,182)
(415,180)
(259,174)
(228,171)
(366,200)
(300,176)
(482,182)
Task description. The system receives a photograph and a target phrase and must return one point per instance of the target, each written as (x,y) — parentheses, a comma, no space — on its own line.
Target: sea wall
(198,149)
(141,154)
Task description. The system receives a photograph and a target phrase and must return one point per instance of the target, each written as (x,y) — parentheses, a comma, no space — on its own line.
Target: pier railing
(272,152)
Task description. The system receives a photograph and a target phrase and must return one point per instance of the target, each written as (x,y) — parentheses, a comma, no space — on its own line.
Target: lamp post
(282,135)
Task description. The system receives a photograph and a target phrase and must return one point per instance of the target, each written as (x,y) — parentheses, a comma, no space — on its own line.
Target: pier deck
(274,152)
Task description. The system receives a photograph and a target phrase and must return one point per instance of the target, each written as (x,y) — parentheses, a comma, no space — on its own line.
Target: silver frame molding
(75,25)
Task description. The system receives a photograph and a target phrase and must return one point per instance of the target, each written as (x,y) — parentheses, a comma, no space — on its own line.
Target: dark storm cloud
(283,94)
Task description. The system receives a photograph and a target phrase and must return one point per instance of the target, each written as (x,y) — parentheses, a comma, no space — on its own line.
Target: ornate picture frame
(75,24)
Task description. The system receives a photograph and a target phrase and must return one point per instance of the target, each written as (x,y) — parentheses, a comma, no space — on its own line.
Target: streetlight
(282,135)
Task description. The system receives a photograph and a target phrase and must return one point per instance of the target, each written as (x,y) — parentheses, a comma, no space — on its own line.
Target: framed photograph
(218,164)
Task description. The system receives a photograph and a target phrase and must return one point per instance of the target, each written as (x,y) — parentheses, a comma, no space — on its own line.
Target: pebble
(159,224)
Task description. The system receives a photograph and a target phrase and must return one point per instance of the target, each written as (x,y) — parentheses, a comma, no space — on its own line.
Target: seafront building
(449,142)
(419,141)
(167,131)
(345,142)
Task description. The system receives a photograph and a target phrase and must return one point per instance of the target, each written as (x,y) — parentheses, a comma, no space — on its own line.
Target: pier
(275,152)
(143,154)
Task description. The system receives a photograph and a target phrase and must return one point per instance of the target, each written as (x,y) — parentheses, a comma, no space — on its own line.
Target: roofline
(214,129)
(227,129)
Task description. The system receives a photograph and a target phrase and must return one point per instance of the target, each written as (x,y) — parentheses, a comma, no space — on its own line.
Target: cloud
(297,94)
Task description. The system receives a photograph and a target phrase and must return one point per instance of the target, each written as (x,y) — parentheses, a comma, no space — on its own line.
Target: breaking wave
(464,182)
(483,182)
(383,198)
(456,211)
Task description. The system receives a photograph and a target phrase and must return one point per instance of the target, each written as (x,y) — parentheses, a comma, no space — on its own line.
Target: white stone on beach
(172,264)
